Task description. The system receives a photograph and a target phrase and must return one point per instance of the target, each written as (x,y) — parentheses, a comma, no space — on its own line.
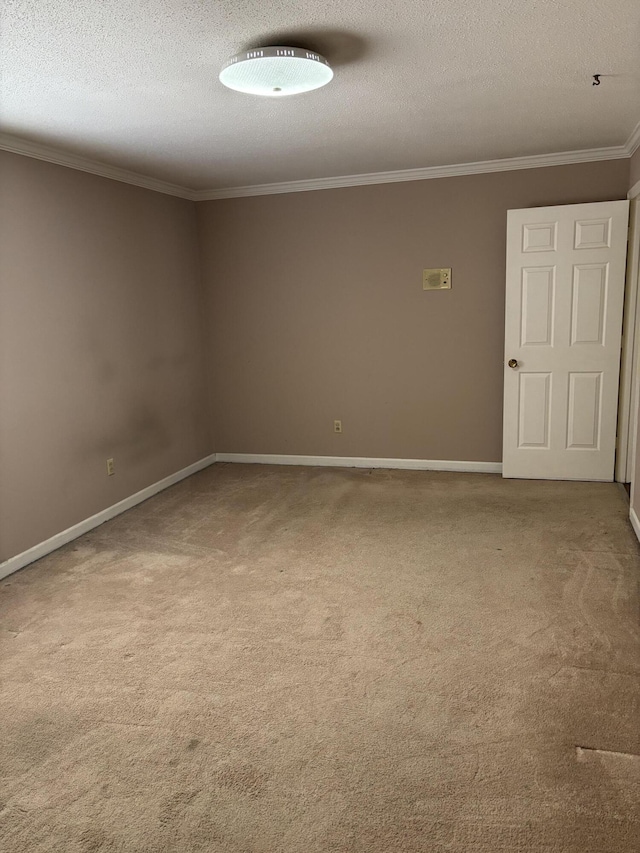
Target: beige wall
(100,345)
(634,169)
(316,311)
(313,310)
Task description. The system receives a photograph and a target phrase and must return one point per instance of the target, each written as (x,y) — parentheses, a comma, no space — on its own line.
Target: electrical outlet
(110,468)
(337,426)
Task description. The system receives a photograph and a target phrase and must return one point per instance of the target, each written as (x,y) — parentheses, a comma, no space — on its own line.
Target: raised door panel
(534,410)
(540,237)
(588,306)
(537,306)
(584,411)
(593,233)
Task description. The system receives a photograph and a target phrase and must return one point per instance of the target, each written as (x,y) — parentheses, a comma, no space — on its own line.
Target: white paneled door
(565,292)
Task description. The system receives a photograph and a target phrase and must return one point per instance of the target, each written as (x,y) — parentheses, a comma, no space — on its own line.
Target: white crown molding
(633,142)
(43,548)
(362,462)
(536,161)
(15,145)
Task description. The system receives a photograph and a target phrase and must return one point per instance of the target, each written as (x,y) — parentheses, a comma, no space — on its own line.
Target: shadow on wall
(338,46)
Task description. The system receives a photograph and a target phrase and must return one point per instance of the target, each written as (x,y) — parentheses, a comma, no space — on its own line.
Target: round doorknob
(512,362)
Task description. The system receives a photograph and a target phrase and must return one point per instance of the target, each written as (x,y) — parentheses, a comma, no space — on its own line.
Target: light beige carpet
(287,660)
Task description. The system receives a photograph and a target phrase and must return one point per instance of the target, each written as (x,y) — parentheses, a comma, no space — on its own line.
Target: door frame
(629,357)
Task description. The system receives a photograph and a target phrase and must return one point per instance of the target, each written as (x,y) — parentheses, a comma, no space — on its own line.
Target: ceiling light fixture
(276,71)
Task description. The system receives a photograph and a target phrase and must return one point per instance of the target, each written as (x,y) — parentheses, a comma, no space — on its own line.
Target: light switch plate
(436,279)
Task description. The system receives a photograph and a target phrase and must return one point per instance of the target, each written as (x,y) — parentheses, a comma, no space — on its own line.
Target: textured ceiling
(418,83)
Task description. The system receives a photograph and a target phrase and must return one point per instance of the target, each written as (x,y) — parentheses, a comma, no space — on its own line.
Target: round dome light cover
(276,71)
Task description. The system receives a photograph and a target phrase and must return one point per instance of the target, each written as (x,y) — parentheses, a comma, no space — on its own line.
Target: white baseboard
(21,560)
(363,462)
(635,522)
(41,550)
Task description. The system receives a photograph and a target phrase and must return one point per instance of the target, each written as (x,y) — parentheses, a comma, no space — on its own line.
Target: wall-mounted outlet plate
(337,426)
(111,470)
(436,279)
